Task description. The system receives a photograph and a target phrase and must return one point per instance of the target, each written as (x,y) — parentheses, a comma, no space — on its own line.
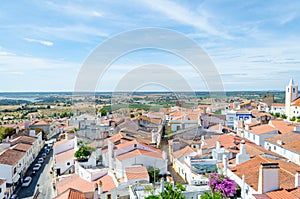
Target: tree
(283,116)
(153,173)
(170,192)
(83,153)
(131,115)
(293,119)
(103,112)
(4,132)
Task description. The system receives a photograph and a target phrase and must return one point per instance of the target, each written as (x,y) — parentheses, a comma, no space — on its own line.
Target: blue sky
(253,44)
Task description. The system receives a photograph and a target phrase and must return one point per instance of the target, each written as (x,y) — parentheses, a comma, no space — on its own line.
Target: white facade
(277,109)
(279,149)
(291,94)
(2,188)
(259,139)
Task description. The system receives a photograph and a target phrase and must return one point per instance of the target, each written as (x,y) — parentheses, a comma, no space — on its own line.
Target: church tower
(291,93)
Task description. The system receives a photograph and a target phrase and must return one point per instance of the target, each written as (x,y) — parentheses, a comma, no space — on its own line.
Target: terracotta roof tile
(281,126)
(139,152)
(184,152)
(64,156)
(278,104)
(286,175)
(22,147)
(136,172)
(296,102)
(74,181)
(281,194)
(290,141)
(11,157)
(296,192)
(71,194)
(262,129)
(24,139)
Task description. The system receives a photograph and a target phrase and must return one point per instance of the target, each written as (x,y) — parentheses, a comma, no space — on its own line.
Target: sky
(254,45)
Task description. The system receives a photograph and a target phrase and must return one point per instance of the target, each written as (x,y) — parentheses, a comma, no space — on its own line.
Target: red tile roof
(64,156)
(286,175)
(22,147)
(136,172)
(290,141)
(11,156)
(281,194)
(76,182)
(281,126)
(71,194)
(262,129)
(138,152)
(184,152)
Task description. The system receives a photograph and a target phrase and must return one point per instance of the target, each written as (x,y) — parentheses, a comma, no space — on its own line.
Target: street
(42,181)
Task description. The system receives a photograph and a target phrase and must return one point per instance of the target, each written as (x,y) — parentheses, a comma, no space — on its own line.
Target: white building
(258,134)
(286,145)
(3,193)
(63,152)
(292,100)
(122,153)
(278,108)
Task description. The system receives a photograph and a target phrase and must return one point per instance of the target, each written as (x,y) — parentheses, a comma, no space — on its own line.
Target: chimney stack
(297,179)
(268,179)
(100,188)
(242,156)
(225,164)
(218,144)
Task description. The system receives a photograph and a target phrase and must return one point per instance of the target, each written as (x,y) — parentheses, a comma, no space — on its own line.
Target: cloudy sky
(254,45)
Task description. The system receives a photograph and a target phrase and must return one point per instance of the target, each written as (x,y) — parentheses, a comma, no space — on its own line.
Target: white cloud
(74,10)
(43,42)
(183,15)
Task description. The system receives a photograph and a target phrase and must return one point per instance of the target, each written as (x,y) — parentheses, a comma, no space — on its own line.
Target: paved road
(44,179)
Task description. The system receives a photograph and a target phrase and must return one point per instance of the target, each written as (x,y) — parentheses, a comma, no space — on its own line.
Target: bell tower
(291,93)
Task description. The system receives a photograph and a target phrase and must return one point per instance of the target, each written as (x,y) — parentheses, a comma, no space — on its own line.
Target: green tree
(4,132)
(293,119)
(170,192)
(83,153)
(103,112)
(283,116)
(131,115)
(153,173)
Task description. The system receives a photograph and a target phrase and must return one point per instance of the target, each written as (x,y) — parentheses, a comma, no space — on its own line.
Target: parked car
(44,155)
(14,196)
(40,160)
(26,181)
(36,167)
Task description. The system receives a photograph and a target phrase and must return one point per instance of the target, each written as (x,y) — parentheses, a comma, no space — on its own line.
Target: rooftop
(11,157)
(75,182)
(139,152)
(64,156)
(286,175)
(136,172)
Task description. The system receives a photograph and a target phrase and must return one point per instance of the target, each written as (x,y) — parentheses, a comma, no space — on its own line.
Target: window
(108,196)
(15,170)
(68,163)
(294,90)
(274,147)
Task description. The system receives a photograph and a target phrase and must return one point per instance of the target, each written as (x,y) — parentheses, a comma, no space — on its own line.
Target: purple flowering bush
(221,187)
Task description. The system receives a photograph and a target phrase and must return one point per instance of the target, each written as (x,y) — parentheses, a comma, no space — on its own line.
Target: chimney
(242,156)
(297,179)
(218,144)
(95,191)
(268,179)
(100,188)
(162,185)
(225,164)
(220,128)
